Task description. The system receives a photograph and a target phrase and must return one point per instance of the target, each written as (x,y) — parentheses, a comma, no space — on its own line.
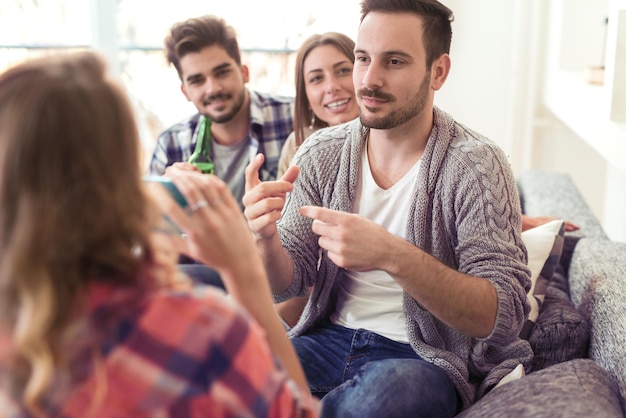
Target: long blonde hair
(72,206)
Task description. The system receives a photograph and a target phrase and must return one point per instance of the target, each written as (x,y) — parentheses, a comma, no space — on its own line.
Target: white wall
(500,61)
(479,91)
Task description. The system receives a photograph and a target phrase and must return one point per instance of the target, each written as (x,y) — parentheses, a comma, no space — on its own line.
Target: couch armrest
(545,193)
(576,388)
(597,280)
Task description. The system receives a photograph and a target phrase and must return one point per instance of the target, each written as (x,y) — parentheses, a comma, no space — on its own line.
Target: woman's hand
(217,234)
(529,222)
(215,231)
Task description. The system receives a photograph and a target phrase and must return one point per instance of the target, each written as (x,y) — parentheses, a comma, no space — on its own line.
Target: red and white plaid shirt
(174,354)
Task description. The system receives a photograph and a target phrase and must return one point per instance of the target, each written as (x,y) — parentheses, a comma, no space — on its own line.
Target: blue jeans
(202,275)
(358,373)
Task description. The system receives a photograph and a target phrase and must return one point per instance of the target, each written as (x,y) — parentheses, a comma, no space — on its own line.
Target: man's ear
(439,71)
(245,72)
(184,91)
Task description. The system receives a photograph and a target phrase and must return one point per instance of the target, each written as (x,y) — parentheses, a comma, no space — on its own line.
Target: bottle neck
(204,137)
(201,156)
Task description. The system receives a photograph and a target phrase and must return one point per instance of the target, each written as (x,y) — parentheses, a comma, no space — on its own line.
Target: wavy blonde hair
(73,209)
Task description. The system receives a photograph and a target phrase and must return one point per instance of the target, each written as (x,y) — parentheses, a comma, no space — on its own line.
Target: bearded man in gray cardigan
(408,227)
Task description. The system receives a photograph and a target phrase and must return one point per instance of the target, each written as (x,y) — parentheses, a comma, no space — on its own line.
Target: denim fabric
(362,374)
(202,275)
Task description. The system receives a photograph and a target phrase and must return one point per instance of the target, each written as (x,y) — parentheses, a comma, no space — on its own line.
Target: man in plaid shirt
(206,54)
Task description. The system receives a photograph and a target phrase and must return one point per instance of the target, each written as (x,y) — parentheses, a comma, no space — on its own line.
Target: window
(131,32)
(30,28)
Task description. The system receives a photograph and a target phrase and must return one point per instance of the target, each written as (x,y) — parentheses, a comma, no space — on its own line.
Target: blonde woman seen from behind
(95,321)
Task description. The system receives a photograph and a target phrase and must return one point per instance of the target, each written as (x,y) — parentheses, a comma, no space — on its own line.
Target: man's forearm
(463,302)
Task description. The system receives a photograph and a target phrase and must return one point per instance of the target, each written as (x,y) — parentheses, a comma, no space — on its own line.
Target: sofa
(579,338)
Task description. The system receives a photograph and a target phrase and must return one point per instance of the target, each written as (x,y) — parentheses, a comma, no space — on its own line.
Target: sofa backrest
(554,194)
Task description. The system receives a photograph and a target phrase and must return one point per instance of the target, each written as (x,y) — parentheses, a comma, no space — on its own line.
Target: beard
(398,116)
(228,116)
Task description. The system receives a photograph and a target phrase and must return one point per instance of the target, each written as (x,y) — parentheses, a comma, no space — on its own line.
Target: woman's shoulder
(168,318)
(204,310)
(235,350)
(200,338)
(286,154)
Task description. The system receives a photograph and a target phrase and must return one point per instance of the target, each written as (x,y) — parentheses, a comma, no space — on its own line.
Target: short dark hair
(436,17)
(197,33)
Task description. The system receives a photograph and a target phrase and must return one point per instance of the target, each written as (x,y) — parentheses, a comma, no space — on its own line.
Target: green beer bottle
(201,156)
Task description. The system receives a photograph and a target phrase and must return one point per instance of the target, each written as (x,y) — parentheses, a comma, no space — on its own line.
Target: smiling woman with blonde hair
(324,89)
(94,318)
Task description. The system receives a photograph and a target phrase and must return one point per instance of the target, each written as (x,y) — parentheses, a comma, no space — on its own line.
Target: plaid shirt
(271,122)
(175,355)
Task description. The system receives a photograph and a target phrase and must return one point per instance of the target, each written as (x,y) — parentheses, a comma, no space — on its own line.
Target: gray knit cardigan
(466,213)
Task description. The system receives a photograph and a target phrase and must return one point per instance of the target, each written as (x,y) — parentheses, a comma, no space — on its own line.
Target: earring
(312,120)
(136,250)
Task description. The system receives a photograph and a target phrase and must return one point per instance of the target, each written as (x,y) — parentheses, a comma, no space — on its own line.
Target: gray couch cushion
(597,281)
(577,388)
(561,332)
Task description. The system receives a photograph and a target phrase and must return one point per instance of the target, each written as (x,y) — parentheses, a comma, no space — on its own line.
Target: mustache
(375,94)
(219,96)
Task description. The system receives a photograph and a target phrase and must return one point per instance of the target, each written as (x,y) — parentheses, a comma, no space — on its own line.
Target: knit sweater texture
(466,213)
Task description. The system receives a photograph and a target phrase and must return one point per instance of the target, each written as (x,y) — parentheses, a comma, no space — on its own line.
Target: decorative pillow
(544,245)
(561,332)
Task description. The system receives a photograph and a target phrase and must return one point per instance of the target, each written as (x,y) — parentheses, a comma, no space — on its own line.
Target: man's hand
(264,201)
(184,166)
(352,241)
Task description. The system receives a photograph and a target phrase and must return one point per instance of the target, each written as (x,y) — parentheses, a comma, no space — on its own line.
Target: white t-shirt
(373,300)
